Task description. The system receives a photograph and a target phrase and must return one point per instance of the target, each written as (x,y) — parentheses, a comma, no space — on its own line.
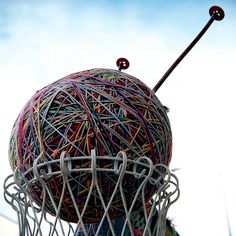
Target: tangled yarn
(101,109)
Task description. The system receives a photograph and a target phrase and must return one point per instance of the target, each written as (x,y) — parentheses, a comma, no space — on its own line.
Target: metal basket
(141,216)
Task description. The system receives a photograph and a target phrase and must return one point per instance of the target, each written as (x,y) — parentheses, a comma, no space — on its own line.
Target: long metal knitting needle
(216,13)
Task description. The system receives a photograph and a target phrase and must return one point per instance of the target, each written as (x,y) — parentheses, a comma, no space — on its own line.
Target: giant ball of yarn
(101,109)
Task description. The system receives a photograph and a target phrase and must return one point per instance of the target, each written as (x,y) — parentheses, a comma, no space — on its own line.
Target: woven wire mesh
(140,216)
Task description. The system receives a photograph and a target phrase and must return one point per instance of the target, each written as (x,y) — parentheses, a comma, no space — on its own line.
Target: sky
(43,41)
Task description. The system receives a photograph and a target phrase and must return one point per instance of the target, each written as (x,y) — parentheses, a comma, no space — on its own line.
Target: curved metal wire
(148,219)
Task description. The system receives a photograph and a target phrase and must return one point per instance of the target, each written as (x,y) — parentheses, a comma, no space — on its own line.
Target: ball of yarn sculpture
(101,109)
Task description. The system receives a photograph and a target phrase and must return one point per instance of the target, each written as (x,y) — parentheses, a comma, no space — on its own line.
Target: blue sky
(41,42)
